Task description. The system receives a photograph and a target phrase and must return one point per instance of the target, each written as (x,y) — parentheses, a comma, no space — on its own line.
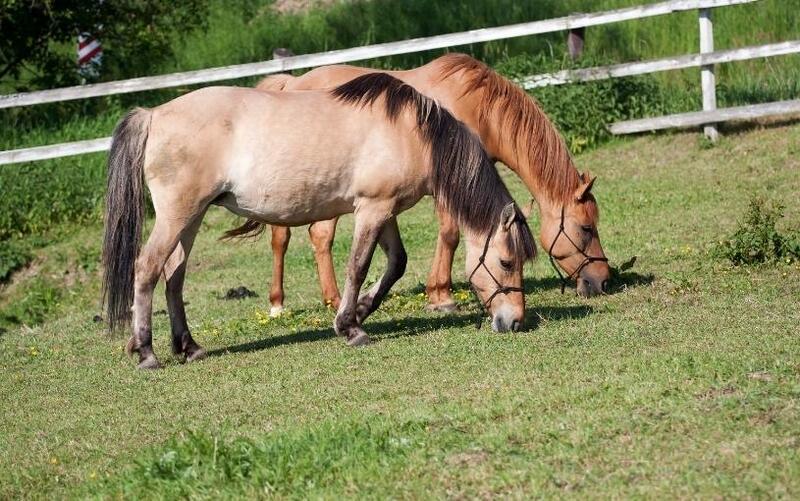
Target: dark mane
(535,138)
(465,182)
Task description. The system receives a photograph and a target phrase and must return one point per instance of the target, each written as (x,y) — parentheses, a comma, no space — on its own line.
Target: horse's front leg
(439,279)
(396,259)
(368,226)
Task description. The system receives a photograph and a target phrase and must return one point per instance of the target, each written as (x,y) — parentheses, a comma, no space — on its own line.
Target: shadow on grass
(410,326)
(386,329)
(619,282)
(740,127)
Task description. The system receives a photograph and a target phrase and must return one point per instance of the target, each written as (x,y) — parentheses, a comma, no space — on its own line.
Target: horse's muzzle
(587,287)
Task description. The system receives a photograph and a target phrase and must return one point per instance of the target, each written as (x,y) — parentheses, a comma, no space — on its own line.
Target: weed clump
(757,240)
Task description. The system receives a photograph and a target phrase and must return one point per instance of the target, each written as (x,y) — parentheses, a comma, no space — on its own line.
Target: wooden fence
(706,60)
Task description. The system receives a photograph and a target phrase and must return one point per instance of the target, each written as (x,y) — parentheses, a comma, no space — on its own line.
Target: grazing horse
(514,130)
(373,146)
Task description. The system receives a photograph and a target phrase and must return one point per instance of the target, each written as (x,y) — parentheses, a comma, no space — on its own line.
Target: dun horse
(514,130)
(373,146)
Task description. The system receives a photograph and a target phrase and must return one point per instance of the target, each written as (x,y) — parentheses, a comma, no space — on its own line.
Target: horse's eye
(507,265)
(587,228)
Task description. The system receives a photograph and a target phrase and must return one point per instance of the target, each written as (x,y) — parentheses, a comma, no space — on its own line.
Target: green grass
(684,383)
(39,197)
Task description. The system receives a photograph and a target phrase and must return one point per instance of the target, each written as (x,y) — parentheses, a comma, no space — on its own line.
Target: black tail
(124,215)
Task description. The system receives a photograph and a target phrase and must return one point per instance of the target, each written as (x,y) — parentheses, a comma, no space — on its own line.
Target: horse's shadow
(619,282)
(467,315)
(408,326)
(385,329)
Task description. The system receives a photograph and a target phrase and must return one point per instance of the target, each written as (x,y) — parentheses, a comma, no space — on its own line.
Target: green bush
(14,254)
(39,196)
(41,298)
(757,240)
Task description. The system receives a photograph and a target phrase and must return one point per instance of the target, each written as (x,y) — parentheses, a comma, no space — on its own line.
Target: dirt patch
(760,376)
(716,393)
(468,458)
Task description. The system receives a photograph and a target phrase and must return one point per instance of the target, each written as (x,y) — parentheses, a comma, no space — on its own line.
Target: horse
(514,130)
(373,146)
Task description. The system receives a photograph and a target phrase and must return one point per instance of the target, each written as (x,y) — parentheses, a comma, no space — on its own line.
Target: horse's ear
(585,187)
(508,216)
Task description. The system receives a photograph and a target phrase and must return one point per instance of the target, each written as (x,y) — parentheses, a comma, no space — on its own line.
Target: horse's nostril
(516,325)
(604,286)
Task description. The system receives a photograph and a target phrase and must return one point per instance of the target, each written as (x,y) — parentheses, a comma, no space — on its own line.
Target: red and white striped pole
(90,55)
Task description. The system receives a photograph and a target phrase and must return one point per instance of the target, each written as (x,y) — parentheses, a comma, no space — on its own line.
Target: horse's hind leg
(175,273)
(321,234)
(280,242)
(149,265)
(368,226)
(392,245)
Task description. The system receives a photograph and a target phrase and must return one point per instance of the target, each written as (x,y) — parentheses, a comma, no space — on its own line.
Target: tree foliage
(39,37)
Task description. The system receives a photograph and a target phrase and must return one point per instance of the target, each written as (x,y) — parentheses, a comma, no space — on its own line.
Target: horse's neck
(540,160)
(528,156)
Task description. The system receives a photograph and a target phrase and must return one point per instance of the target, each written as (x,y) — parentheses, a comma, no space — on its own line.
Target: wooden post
(707,77)
(575,42)
(282,52)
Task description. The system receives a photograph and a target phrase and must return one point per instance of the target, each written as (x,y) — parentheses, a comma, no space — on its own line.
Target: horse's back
(283,157)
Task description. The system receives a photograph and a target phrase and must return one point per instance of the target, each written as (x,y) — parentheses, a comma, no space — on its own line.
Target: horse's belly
(271,204)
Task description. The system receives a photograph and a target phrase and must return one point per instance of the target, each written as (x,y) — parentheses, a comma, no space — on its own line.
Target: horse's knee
(449,236)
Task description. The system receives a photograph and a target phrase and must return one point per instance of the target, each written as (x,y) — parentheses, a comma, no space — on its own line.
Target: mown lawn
(685,382)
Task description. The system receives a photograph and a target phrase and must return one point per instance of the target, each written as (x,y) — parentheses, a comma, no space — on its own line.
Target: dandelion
(53,460)
(32,351)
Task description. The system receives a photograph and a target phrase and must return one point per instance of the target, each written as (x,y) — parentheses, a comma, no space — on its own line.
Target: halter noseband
(501,289)
(587,259)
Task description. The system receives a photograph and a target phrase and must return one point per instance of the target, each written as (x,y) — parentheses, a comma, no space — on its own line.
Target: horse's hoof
(275,311)
(197,354)
(448,307)
(149,363)
(360,339)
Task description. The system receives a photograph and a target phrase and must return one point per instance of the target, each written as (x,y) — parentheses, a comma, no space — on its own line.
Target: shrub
(41,299)
(757,240)
(13,256)
(39,196)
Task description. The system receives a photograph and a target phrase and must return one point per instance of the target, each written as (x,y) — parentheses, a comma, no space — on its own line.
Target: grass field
(685,382)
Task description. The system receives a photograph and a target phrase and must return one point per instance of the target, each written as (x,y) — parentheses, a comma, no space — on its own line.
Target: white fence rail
(697,118)
(359,53)
(706,59)
(665,64)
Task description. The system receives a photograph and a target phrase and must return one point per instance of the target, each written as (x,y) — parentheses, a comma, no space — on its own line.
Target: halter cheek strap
(587,259)
(500,289)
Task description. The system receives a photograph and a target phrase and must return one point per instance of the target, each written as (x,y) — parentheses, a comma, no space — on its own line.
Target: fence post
(575,42)
(707,78)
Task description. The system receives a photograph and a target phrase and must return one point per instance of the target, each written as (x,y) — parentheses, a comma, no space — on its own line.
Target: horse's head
(569,235)
(494,267)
